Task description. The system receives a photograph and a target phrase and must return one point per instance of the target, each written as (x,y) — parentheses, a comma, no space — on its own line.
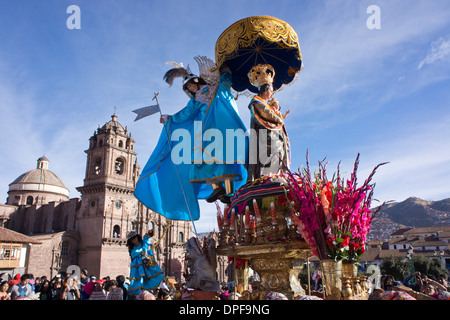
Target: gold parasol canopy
(259,40)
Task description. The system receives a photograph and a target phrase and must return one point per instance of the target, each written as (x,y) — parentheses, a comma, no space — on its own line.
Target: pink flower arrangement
(333,216)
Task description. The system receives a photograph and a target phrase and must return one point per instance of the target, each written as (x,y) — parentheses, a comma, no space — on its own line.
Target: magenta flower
(332,216)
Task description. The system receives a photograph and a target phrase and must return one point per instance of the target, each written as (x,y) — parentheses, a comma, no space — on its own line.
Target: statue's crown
(261,74)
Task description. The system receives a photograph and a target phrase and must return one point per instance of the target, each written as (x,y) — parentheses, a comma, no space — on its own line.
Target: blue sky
(383,93)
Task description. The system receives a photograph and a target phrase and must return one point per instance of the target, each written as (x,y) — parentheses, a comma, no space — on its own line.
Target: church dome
(40,181)
(39,176)
(113,125)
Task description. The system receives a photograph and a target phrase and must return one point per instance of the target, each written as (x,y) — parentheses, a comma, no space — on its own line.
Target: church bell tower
(109,208)
(111,158)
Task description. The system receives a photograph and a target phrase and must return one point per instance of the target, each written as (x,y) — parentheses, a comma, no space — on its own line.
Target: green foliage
(396,267)
(429,267)
(399,267)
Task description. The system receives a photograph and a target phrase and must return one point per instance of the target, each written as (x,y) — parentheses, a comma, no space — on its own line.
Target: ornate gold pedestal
(274,263)
(271,245)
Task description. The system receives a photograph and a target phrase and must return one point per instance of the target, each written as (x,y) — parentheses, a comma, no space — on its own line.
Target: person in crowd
(412,281)
(45,291)
(163,294)
(14,280)
(37,284)
(22,289)
(57,287)
(121,284)
(88,288)
(431,287)
(387,282)
(317,278)
(114,292)
(163,285)
(70,290)
(107,284)
(32,283)
(145,295)
(224,294)
(442,280)
(4,287)
(98,293)
(84,279)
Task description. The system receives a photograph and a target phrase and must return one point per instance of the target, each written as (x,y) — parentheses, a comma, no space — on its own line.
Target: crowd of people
(414,286)
(70,287)
(88,287)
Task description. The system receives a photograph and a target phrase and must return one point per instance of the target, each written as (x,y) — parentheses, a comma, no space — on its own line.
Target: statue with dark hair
(145,273)
(195,157)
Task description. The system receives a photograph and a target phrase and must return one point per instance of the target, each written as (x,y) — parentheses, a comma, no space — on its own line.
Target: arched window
(151,226)
(98,166)
(120,144)
(29,200)
(180,237)
(119,166)
(116,231)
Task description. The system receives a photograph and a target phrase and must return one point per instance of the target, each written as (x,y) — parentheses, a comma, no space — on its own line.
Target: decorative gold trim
(218,178)
(169,222)
(244,32)
(147,277)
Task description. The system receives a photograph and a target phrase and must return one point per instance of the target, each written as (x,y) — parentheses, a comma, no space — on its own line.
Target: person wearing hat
(145,273)
(15,280)
(98,292)
(269,143)
(215,167)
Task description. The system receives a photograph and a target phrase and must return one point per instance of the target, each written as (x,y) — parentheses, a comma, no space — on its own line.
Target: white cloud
(208,217)
(440,51)
(20,137)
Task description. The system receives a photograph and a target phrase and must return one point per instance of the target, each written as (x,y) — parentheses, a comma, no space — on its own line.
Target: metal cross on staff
(148,111)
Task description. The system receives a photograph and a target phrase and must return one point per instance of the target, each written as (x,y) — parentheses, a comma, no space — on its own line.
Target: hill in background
(412,212)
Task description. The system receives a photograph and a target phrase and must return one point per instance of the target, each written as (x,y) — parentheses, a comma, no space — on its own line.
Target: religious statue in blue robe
(200,147)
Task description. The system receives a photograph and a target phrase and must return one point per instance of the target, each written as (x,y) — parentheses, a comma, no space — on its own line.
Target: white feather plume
(207,70)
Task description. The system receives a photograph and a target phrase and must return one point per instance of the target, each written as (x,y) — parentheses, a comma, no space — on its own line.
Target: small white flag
(146,111)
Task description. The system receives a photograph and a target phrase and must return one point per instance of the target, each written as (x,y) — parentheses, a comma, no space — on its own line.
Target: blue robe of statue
(207,143)
(143,276)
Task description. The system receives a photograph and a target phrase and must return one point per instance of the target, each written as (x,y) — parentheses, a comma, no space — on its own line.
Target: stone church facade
(90,231)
